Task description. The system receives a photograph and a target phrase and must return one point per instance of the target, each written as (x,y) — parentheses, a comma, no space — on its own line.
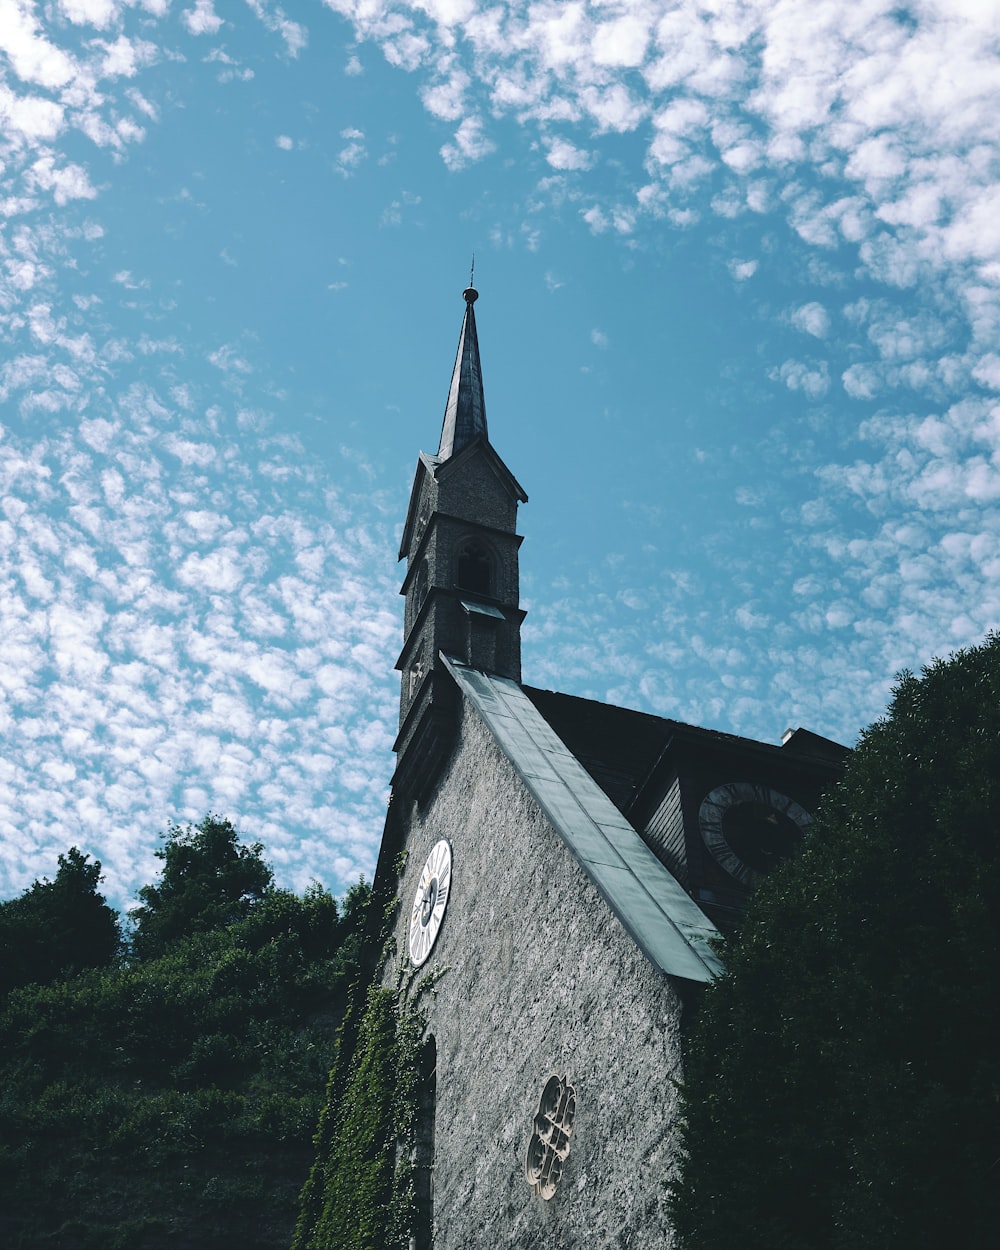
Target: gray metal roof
(465,412)
(667,925)
(482,609)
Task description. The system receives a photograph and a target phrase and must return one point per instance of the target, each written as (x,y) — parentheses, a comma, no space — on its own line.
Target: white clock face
(429,902)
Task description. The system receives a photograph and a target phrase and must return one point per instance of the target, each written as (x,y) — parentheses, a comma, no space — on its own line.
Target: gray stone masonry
(462,501)
(537,977)
(468,486)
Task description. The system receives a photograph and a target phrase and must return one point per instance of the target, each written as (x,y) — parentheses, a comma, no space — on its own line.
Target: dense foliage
(171,1098)
(57,928)
(359,1195)
(369,1188)
(208,880)
(843,1079)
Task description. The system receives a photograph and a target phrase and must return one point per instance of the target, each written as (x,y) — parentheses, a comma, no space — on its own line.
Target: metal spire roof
(465,414)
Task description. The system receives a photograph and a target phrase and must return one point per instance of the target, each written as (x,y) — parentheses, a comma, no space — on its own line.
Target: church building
(563,868)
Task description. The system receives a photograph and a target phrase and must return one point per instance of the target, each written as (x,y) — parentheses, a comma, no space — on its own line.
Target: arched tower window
(475,569)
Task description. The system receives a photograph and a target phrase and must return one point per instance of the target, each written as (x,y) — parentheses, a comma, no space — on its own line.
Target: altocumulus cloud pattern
(197,608)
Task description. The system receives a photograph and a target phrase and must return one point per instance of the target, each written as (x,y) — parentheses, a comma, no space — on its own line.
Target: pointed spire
(465,414)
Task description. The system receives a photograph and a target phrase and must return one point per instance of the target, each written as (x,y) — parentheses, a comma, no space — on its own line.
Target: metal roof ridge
(666,924)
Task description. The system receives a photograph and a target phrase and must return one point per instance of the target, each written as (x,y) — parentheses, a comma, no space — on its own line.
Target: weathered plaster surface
(537,977)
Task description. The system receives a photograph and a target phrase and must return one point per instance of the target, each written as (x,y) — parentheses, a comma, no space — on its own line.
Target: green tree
(171,1101)
(209,880)
(56,928)
(843,1077)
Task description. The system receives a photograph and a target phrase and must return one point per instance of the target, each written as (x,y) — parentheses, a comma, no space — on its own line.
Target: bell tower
(461,584)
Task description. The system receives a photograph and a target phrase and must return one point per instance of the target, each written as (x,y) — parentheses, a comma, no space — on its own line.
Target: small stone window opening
(416,675)
(475,569)
(548,1145)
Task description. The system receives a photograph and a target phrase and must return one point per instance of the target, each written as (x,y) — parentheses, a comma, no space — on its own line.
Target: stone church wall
(537,977)
(476,491)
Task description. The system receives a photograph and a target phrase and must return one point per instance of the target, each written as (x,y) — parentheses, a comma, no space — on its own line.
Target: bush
(843,1077)
(171,1101)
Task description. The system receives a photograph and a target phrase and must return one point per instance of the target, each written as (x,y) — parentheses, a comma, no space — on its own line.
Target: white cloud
(99,13)
(564,155)
(124,278)
(861,381)
(987,371)
(743,157)
(33,117)
(813,380)
(202,19)
(392,216)
(232,70)
(446,100)
(811,318)
(32,56)
(621,42)
(741,270)
(229,360)
(614,108)
(760,96)
(125,57)
(746,618)
(218,572)
(351,156)
(470,144)
(596,219)
(173,679)
(274,19)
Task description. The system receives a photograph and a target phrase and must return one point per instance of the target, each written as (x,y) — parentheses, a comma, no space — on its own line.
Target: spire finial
(470,294)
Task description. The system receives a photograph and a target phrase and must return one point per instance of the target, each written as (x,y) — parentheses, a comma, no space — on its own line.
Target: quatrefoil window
(548,1146)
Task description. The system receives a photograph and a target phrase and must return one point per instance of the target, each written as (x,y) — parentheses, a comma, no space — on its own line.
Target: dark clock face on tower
(748,827)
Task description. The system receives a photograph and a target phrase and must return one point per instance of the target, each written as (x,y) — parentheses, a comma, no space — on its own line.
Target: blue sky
(739,265)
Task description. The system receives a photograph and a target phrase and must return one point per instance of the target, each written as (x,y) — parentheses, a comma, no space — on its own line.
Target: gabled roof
(667,925)
(621,748)
(616,745)
(425,464)
(482,446)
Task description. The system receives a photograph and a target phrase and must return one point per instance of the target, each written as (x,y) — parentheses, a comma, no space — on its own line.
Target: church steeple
(461,585)
(465,412)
